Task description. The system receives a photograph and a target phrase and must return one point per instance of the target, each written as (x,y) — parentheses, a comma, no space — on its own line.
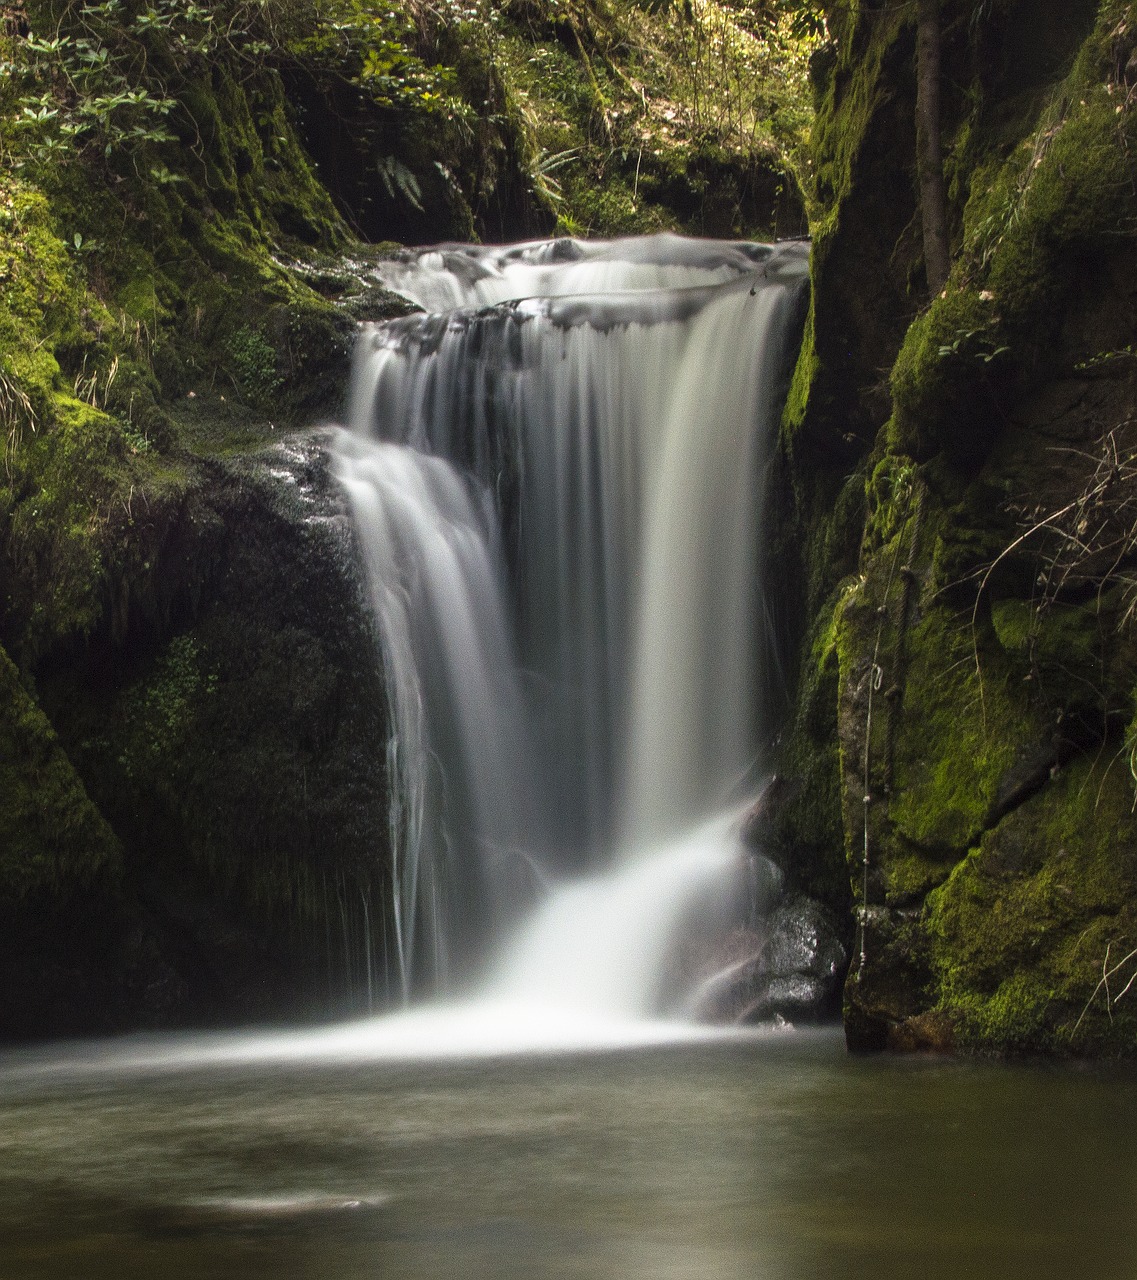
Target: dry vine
(1089,542)
(16,412)
(1109,971)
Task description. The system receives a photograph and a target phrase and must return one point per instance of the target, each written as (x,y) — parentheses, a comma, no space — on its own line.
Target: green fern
(400,181)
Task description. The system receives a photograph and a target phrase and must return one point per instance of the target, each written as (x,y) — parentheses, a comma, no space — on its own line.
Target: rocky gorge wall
(962,470)
(195,806)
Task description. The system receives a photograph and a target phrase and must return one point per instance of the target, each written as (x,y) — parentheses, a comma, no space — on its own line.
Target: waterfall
(557,474)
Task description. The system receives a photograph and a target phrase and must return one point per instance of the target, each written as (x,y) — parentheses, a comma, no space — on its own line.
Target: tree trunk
(929,151)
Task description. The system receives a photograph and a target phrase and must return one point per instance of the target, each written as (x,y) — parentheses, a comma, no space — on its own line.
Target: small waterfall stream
(557,474)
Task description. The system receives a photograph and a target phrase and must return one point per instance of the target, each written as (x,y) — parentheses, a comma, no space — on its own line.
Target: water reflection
(776,1158)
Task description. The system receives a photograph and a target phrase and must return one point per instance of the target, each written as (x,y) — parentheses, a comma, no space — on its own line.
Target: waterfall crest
(557,476)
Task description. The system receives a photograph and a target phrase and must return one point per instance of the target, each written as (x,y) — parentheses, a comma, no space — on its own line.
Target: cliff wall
(963,478)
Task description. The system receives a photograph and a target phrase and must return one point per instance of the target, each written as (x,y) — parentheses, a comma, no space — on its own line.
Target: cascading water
(557,477)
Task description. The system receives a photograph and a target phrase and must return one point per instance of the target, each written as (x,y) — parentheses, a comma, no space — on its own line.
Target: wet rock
(791,965)
(803,939)
(796,998)
(760,820)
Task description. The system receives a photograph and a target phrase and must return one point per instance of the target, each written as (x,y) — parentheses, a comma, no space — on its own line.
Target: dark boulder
(791,964)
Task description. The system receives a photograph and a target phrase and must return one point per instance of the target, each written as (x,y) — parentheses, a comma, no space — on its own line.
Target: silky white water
(557,476)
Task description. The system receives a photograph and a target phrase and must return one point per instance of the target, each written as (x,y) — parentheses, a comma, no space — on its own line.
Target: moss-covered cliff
(976,656)
(161,302)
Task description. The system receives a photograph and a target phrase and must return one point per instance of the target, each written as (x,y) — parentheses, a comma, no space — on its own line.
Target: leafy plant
(254,362)
(972,344)
(90,87)
(546,166)
(397,178)
(108,78)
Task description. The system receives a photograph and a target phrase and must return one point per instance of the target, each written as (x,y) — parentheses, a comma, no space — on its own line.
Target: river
(768,1155)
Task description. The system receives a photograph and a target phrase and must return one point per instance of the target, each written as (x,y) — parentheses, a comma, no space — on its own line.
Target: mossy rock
(53,841)
(958,723)
(234,736)
(1024,928)
(982,697)
(1042,234)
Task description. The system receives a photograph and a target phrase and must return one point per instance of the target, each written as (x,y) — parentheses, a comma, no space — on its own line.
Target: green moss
(39,294)
(160,711)
(1055,637)
(55,513)
(943,380)
(68,505)
(889,495)
(1079,657)
(1032,221)
(956,735)
(1014,622)
(805,375)
(861,202)
(909,876)
(254,362)
(52,838)
(1020,930)
(1069,189)
(808,824)
(855,90)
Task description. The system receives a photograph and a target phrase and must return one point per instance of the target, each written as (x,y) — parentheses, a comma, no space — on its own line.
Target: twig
(1106,974)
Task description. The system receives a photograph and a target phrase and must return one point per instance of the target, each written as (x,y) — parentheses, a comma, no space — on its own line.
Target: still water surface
(771,1156)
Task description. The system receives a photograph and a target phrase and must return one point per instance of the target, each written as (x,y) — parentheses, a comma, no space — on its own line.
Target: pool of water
(771,1156)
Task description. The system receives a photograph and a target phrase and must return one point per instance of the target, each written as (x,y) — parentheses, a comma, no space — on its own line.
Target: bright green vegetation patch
(1021,930)
(40,292)
(639,117)
(52,838)
(956,736)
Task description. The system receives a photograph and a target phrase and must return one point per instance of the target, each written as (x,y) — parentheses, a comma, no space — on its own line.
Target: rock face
(224,730)
(975,664)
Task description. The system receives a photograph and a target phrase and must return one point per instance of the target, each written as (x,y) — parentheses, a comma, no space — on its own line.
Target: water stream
(558,477)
